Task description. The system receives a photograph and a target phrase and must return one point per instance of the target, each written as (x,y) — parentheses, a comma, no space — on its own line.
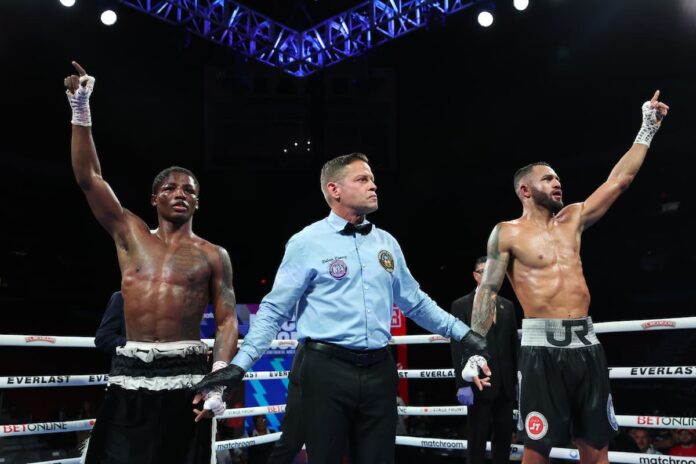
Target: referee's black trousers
(484,415)
(293,437)
(347,403)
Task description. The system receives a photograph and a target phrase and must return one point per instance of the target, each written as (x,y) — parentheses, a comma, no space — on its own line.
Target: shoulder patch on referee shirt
(386,260)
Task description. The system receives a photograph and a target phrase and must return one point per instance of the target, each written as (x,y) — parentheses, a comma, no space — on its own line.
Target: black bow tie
(351,229)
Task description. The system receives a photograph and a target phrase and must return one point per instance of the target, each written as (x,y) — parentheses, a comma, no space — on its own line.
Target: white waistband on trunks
(176,382)
(559,333)
(148,351)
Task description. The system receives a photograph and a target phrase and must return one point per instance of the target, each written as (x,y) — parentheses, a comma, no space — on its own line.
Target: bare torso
(166,286)
(545,269)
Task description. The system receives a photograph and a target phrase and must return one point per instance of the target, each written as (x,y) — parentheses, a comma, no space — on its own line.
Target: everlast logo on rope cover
(437,374)
(667,370)
(577,326)
(38,380)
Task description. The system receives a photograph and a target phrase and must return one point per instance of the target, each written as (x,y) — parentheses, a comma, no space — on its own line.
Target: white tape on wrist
(213,398)
(472,367)
(79,102)
(217,365)
(651,123)
(213,401)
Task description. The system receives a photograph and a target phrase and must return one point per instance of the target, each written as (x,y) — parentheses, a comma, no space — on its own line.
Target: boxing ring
(634,373)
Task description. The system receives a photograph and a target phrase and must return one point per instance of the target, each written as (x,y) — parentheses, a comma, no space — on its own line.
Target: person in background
(643,441)
(686,443)
(490,410)
(112,329)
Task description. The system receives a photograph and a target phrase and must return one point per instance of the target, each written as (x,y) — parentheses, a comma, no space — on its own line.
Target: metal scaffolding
(299,53)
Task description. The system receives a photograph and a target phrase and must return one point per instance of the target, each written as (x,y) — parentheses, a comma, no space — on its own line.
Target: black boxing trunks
(564,384)
(147,415)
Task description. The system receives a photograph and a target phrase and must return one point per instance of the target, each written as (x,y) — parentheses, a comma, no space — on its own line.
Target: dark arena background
(445,109)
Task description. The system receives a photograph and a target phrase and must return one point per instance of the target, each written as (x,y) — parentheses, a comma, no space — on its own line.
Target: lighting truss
(299,53)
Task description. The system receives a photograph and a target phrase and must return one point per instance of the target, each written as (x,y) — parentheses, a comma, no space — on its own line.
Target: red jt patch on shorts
(536,425)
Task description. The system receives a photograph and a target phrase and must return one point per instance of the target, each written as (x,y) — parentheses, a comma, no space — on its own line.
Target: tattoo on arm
(226,299)
(226,288)
(491,281)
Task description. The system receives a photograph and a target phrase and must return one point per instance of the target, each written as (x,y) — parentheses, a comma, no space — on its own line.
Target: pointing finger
(654,98)
(81,71)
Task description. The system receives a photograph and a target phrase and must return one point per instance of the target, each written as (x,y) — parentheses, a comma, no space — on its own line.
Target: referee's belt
(360,358)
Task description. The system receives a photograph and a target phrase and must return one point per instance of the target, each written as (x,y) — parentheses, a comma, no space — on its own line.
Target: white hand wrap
(213,398)
(651,123)
(471,369)
(79,102)
(213,401)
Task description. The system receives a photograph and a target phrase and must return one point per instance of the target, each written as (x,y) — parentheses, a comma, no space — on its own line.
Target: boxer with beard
(563,375)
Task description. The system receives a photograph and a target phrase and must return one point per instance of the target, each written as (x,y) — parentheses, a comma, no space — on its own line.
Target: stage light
(520,5)
(67,3)
(108,17)
(485,18)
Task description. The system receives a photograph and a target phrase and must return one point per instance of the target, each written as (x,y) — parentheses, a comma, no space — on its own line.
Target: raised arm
(85,164)
(628,166)
(491,281)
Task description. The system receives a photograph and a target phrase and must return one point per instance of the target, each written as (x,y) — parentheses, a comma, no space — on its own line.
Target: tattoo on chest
(187,260)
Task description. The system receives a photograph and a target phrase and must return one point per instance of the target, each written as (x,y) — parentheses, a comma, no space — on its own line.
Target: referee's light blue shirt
(343,288)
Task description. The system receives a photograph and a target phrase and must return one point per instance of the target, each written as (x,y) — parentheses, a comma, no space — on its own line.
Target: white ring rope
(558,453)
(600,327)
(433,410)
(35,381)
(61,461)
(40,428)
(666,372)
(246,442)
(253,411)
(448,443)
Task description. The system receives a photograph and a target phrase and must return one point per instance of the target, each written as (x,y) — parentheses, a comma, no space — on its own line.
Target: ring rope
(558,453)
(37,381)
(600,327)
(247,442)
(447,443)
(40,428)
